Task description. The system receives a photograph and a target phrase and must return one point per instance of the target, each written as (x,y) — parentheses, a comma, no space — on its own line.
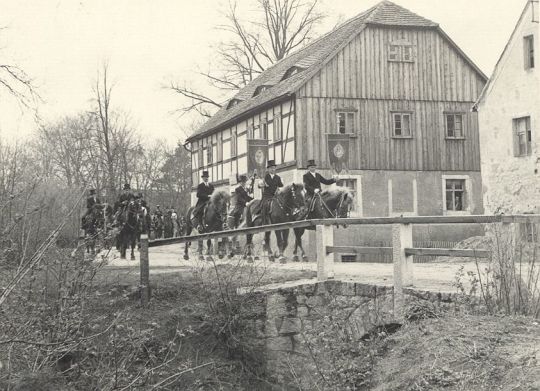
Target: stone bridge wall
(290,318)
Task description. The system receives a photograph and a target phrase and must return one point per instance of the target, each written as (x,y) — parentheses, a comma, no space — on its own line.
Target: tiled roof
(308,59)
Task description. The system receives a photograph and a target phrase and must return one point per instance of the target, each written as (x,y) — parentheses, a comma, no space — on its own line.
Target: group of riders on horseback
(278,204)
(130,214)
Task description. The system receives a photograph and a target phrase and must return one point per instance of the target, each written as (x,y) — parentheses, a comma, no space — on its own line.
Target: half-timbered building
(396,92)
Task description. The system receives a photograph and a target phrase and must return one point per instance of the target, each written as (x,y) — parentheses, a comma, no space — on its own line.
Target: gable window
(345,122)
(528,51)
(454,125)
(400,52)
(401,125)
(522,136)
(455,195)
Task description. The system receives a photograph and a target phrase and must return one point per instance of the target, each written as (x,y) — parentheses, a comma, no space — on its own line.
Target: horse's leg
(200,250)
(133,245)
(121,245)
(186,248)
(267,247)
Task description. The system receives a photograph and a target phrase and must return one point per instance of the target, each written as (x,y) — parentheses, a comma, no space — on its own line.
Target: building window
(528,51)
(233,102)
(209,154)
(400,52)
(250,132)
(234,144)
(522,136)
(345,122)
(401,125)
(455,195)
(260,89)
(454,126)
(278,134)
(529,232)
(264,131)
(290,72)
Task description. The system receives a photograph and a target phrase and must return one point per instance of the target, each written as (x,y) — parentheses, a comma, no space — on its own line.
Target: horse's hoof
(249,259)
(305,258)
(201,257)
(221,256)
(122,257)
(282,259)
(271,258)
(256,258)
(186,257)
(295,258)
(133,257)
(231,255)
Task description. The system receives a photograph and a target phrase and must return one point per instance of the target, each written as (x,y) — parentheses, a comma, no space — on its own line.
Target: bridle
(333,213)
(288,210)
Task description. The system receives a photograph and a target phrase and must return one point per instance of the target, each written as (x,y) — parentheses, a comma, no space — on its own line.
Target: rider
(90,202)
(124,197)
(204,190)
(270,185)
(312,180)
(242,197)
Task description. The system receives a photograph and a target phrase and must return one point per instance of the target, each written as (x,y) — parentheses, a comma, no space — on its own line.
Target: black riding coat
(204,191)
(91,201)
(242,197)
(314,182)
(271,185)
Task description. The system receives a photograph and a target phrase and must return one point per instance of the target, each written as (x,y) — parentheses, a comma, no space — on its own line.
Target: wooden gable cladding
(362,69)
(373,146)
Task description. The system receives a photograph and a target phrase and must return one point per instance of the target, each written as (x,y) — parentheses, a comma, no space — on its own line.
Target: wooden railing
(402,249)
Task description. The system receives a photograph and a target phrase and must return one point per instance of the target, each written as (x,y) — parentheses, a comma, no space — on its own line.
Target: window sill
(456,212)
(528,155)
(455,138)
(402,137)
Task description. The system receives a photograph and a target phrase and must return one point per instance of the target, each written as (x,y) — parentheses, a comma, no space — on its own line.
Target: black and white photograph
(269,195)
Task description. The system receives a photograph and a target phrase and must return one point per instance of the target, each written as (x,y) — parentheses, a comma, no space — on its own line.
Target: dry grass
(465,353)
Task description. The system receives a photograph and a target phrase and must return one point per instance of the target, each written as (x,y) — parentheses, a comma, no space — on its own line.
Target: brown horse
(214,219)
(128,221)
(287,205)
(333,203)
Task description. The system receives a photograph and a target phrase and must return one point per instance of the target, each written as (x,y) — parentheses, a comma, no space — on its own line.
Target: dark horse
(214,219)
(332,203)
(128,222)
(94,224)
(287,205)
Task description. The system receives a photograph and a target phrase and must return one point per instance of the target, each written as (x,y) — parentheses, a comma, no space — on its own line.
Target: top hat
(127,186)
(92,191)
(271,163)
(205,174)
(242,178)
(311,163)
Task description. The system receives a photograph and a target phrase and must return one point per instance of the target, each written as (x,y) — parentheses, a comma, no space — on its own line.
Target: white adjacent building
(509,114)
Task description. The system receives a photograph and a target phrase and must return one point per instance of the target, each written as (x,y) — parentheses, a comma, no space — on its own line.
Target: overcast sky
(61,43)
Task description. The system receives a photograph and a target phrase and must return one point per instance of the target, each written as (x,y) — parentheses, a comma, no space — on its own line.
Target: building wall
(511,183)
(363,78)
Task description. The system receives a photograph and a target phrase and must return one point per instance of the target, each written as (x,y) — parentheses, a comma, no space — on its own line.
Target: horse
(168,225)
(331,203)
(157,222)
(286,205)
(214,219)
(128,220)
(91,223)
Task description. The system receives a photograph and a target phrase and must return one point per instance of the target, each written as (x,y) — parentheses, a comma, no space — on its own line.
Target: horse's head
(293,195)
(220,200)
(339,200)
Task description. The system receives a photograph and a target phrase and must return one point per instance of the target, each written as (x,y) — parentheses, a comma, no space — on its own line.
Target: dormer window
(232,103)
(260,89)
(290,72)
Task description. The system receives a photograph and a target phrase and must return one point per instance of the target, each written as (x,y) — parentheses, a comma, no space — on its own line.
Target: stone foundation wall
(286,336)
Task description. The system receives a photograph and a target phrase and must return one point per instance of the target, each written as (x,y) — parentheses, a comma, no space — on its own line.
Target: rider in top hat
(312,180)
(124,198)
(91,200)
(242,197)
(204,190)
(270,185)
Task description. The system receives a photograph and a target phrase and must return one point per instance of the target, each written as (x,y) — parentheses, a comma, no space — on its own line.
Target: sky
(62,43)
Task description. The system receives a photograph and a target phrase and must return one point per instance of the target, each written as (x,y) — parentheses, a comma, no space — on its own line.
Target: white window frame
(411,123)
(454,114)
(359,212)
(528,51)
(528,132)
(467,199)
(349,123)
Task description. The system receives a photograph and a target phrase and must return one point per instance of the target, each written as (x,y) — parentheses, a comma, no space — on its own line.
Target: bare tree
(280,27)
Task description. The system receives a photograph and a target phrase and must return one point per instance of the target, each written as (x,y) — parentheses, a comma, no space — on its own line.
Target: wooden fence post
(403,264)
(324,235)
(145,270)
